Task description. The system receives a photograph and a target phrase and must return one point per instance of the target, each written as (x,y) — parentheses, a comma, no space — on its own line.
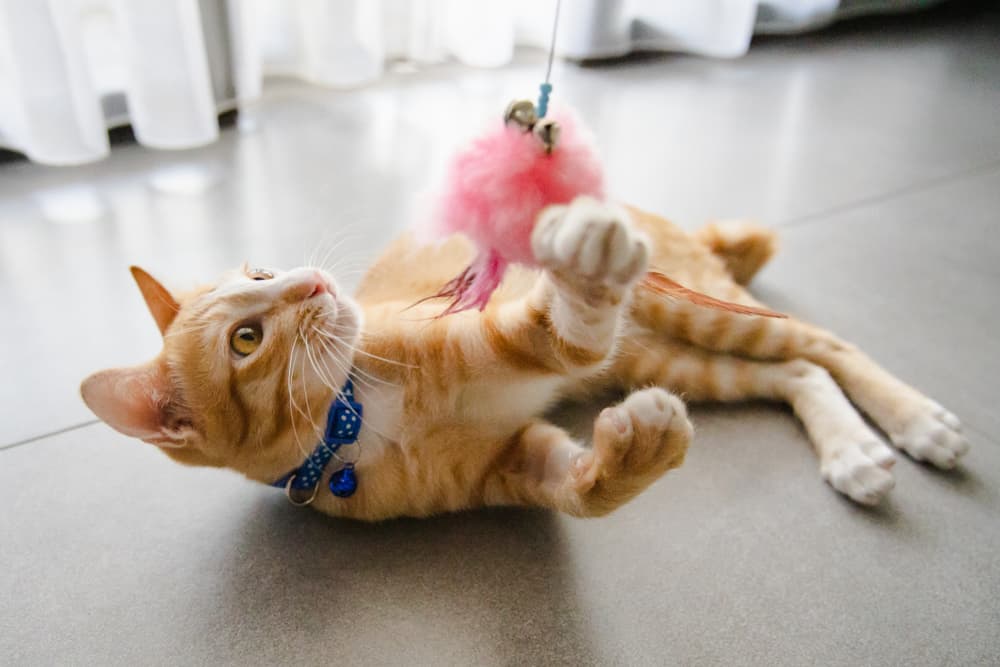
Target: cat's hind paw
(634,444)
(861,471)
(934,435)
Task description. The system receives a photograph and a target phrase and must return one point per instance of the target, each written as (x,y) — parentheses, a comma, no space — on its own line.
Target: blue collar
(343,426)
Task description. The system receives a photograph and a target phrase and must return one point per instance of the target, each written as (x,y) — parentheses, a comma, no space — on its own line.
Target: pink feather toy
(496,189)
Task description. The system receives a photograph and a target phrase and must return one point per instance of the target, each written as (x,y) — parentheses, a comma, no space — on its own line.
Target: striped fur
(453,406)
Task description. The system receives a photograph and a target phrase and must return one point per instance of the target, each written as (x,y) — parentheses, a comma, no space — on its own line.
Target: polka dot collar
(343,425)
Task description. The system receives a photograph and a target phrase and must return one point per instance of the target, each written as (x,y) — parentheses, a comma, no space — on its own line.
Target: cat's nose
(319,288)
(319,285)
(308,286)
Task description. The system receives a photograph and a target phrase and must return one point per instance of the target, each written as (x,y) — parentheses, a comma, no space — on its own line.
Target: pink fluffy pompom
(494,192)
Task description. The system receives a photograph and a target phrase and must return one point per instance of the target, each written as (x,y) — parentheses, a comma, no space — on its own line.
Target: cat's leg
(634,443)
(852,457)
(743,246)
(570,320)
(914,423)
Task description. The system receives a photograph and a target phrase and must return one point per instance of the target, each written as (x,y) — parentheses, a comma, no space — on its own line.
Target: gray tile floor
(875,148)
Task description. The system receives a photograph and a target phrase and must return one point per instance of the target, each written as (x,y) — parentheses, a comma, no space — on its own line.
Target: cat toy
(496,188)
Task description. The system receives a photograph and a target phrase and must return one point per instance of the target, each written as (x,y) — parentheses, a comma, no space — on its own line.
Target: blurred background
(74,68)
(188,136)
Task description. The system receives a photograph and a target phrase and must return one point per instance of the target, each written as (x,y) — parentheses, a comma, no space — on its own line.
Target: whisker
(333,358)
(293,407)
(352,268)
(318,429)
(356,350)
(344,368)
(330,241)
(334,240)
(341,327)
(363,377)
(352,264)
(333,248)
(327,381)
(328,384)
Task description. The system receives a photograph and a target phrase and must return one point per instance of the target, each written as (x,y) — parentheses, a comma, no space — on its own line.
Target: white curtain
(69,69)
(60,58)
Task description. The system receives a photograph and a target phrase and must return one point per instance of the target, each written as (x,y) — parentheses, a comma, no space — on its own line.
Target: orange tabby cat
(453,406)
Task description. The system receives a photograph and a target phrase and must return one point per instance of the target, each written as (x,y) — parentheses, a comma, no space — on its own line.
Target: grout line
(968,428)
(28,441)
(892,194)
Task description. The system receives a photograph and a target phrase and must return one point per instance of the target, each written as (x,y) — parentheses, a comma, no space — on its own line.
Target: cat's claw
(934,435)
(592,241)
(861,471)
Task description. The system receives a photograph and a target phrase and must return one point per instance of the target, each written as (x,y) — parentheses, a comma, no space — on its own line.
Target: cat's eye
(260,274)
(246,339)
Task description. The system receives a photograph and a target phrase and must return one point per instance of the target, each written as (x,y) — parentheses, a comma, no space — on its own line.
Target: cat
(452,406)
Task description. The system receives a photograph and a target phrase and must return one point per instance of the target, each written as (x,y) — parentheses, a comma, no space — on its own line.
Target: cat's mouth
(322,313)
(330,321)
(319,297)
(329,333)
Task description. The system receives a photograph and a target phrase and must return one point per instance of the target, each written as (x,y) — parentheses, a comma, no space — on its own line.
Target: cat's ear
(139,401)
(161,303)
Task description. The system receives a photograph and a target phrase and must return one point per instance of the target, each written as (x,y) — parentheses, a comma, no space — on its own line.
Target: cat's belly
(507,406)
(494,409)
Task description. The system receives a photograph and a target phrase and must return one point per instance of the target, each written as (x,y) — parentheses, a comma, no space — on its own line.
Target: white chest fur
(382,406)
(508,405)
(497,406)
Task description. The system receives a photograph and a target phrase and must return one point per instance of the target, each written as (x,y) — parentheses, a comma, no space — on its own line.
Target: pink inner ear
(131,400)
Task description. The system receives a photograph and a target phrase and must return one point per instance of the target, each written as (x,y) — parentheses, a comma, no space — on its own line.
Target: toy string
(545,89)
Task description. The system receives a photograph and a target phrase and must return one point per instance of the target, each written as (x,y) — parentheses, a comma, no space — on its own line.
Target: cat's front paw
(590,243)
(932,434)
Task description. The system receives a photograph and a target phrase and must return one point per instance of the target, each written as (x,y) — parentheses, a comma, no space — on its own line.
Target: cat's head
(248,367)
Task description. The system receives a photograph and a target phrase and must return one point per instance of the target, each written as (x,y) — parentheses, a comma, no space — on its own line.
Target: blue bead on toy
(344,482)
(544,90)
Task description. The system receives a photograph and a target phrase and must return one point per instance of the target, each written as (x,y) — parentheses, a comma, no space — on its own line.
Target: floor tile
(912,281)
(112,554)
(801,127)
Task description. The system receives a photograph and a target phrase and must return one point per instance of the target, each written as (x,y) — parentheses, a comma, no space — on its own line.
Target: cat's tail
(744,246)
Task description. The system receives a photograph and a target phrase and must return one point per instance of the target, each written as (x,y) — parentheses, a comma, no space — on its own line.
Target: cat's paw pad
(861,471)
(592,242)
(646,435)
(634,444)
(934,435)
